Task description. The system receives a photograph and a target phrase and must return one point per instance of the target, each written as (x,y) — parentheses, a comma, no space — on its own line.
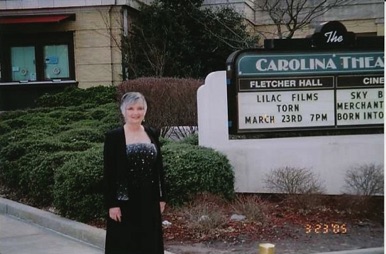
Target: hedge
(78,188)
(192,169)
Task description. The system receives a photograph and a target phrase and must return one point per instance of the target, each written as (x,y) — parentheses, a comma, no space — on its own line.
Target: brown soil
(298,225)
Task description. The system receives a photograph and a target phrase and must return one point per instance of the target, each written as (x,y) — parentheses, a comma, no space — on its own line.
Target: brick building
(47,45)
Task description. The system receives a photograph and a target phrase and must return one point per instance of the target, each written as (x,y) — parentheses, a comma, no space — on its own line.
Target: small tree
(295,14)
(365,180)
(179,38)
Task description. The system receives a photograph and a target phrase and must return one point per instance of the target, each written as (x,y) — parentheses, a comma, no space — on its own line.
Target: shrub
(15,174)
(39,120)
(11,114)
(204,215)
(365,180)
(10,175)
(37,142)
(27,166)
(15,123)
(191,139)
(106,111)
(109,119)
(68,115)
(40,178)
(4,128)
(16,161)
(252,206)
(73,96)
(193,169)
(302,185)
(78,186)
(13,151)
(87,134)
(291,180)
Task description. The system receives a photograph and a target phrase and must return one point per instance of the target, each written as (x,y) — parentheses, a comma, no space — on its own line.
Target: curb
(73,229)
(80,231)
(359,251)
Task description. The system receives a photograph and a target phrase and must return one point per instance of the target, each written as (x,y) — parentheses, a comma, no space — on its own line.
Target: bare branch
(292,180)
(296,14)
(365,180)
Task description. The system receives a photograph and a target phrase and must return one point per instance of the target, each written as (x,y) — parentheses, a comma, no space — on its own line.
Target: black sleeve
(110,172)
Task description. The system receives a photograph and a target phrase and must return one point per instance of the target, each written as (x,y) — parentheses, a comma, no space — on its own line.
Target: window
(38,57)
(23,63)
(56,62)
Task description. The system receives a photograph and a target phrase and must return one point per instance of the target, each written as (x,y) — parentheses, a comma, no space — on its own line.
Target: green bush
(27,166)
(36,142)
(191,170)
(16,173)
(73,96)
(13,151)
(40,120)
(78,186)
(69,114)
(87,134)
(191,140)
(13,166)
(40,178)
(15,123)
(11,114)
(4,128)
(10,175)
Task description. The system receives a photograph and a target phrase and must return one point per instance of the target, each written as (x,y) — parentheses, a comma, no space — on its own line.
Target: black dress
(137,190)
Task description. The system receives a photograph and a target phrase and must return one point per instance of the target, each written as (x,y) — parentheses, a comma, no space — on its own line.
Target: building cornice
(54,4)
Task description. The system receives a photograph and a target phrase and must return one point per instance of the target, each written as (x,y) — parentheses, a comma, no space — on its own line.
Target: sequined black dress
(138,195)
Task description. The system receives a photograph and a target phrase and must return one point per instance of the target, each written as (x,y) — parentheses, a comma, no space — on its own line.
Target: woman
(134,178)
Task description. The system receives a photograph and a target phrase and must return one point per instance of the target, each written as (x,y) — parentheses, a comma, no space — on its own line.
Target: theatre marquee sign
(305,90)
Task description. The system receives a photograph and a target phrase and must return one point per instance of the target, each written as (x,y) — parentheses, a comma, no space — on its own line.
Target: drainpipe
(124,68)
(111,41)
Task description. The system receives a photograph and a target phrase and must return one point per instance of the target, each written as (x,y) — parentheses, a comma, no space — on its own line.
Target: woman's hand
(162,205)
(115,214)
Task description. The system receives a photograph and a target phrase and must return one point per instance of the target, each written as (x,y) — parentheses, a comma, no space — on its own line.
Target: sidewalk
(20,237)
(27,230)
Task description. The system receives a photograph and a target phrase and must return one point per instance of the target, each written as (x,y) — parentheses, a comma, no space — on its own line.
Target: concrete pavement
(27,230)
(20,237)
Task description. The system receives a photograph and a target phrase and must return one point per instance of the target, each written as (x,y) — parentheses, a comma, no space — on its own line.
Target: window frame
(37,40)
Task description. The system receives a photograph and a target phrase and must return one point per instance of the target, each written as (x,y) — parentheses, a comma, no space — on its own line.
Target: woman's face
(135,113)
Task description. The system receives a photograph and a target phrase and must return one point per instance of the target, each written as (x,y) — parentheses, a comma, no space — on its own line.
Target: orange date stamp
(326,228)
